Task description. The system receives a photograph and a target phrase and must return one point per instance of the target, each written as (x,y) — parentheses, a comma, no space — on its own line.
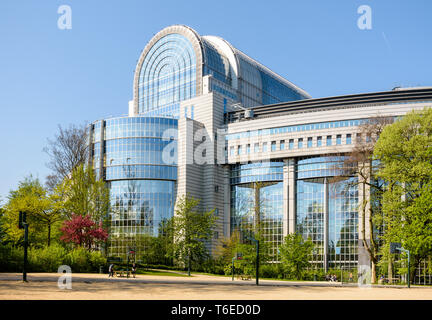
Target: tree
(2,231)
(227,247)
(191,228)
(295,253)
(83,231)
(82,193)
(404,150)
(43,212)
(158,250)
(67,150)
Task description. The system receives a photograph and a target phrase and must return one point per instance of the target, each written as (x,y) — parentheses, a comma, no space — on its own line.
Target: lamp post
(22,224)
(233,268)
(257,258)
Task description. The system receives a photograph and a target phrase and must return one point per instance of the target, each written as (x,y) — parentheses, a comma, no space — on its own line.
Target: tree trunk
(257,208)
(49,235)
(390,269)
(373,272)
(413,269)
(189,264)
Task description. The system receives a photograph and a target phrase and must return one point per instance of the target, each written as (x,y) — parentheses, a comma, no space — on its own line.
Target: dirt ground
(198,287)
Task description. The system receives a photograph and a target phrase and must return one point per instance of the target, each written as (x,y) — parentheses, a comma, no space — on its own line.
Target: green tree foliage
(82,193)
(237,244)
(2,229)
(158,250)
(43,213)
(295,253)
(247,265)
(404,150)
(191,228)
(228,248)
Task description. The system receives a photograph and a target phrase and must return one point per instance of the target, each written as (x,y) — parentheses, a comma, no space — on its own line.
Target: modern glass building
(209,121)
(137,155)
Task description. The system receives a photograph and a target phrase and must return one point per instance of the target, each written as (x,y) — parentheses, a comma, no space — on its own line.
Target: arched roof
(231,62)
(189,34)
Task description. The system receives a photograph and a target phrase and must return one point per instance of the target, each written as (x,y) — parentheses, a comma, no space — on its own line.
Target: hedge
(48,259)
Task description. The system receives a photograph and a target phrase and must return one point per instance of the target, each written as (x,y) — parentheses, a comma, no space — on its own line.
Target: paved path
(198,287)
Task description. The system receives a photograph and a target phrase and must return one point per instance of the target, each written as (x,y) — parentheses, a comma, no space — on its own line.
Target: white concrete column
(326,223)
(285,197)
(227,203)
(291,195)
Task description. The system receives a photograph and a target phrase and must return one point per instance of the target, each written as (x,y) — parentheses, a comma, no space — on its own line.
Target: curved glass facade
(216,64)
(261,87)
(168,74)
(258,171)
(139,165)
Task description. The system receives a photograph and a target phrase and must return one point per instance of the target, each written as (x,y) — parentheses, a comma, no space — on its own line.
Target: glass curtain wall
(257,202)
(140,158)
(324,192)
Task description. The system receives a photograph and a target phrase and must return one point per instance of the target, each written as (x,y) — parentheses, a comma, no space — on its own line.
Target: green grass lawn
(160,273)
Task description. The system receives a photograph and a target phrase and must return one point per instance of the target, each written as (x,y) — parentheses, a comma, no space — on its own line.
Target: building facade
(209,121)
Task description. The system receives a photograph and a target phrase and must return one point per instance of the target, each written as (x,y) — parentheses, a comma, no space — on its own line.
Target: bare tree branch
(67,150)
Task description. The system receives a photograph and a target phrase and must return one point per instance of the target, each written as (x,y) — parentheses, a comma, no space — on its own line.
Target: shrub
(46,259)
(11,258)
(212,266)
(272,270)
(82,260)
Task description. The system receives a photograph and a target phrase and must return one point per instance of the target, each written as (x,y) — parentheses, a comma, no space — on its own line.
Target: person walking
(111,270)
(134,269)
(350,277)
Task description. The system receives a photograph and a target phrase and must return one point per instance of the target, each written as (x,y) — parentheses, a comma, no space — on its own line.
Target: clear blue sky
(50,76)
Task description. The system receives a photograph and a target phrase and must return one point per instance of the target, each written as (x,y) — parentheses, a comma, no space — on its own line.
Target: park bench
(122,273)
(245,277)
(387,280)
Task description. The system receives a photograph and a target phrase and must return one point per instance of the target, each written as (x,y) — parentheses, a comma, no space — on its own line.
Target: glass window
(300,143)
(273,146)
(282,144)
(348,138)
(264,147)
(248,149)
(338,139)
(309,142)
(291,143)
(319,141)
(239,150)
(256,147)
(329,140)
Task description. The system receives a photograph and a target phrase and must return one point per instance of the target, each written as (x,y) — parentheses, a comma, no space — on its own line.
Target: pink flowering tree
(82,231)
